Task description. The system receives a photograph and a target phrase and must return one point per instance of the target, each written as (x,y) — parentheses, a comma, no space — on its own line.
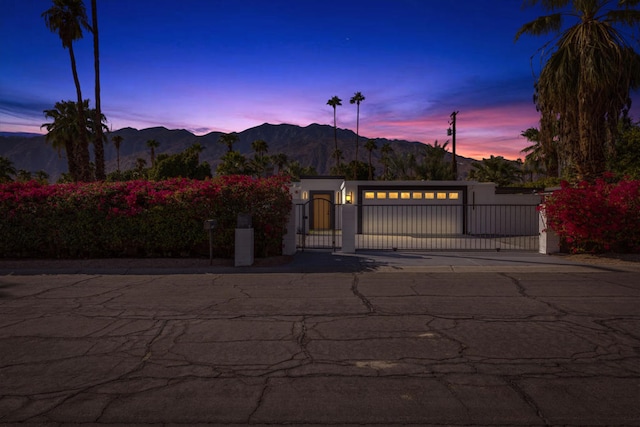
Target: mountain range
(311,145)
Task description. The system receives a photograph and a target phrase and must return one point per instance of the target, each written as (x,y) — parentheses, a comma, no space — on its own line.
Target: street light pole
(452,132)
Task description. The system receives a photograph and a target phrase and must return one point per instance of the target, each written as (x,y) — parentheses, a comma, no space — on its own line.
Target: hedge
(599,217)
(140,218)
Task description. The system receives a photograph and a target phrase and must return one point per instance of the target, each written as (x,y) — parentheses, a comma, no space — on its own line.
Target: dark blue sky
(229,65)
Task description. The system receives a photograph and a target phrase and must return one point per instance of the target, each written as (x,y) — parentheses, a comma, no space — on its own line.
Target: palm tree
(386,152)
(260,147)
(196,148)
(117,140)
(7,170)
(63,134)
(228,139)
(496,169)
(98,141)
(280,160)
(153,144)
(370,145)
(538,157)
(68,18)
(233,163)
(334,102)
(434,167)
(357,98)
(587,78)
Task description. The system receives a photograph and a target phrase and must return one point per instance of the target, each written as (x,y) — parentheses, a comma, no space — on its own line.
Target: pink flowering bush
(140,218)
(599,217)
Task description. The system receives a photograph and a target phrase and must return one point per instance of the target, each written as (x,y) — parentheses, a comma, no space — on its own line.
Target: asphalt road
(373,339)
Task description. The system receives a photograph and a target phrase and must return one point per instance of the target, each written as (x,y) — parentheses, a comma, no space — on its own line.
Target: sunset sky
(229,65)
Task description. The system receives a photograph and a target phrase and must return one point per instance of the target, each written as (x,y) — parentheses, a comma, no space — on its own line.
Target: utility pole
(452,132)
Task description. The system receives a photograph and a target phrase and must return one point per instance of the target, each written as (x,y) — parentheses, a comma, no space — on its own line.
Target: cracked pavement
(518,348)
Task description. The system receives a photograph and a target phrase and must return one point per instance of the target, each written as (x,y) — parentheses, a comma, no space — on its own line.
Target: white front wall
(400,211)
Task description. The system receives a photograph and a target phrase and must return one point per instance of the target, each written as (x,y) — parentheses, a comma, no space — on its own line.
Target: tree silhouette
(117,140)
(98,140)
(357,98)
(370,145)
(67,18)
(153,144)
(335,102)
(586,80)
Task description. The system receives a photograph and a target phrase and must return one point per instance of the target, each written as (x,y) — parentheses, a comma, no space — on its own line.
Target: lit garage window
(429,196)
(417,195)
(442,196)
(453,196)
(393,195)
(369,195)
(405,195)
(382,195)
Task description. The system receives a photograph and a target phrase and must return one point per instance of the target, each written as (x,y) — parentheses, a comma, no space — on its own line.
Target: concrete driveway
(376,341)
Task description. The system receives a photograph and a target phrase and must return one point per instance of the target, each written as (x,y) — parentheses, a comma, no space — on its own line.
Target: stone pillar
(349,228)
(289,246)
(244,247)
(549,240)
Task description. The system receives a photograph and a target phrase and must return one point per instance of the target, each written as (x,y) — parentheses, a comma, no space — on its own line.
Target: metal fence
(426,227)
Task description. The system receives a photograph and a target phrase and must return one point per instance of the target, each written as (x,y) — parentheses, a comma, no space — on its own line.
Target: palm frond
(546,4)
(629,17)
(542,25)
(628,3)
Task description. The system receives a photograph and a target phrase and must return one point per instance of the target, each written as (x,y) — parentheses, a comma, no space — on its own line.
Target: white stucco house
(414,214)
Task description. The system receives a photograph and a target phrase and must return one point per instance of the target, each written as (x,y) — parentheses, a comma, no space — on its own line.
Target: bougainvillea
(140,218)
(599,217)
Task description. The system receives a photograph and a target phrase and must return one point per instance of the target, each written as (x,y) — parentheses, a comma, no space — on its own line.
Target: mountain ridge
(311,145)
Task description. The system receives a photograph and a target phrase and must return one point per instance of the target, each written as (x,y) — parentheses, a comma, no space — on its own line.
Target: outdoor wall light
(348,198)
(305,195)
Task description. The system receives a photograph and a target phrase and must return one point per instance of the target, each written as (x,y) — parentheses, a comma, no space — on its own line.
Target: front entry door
(321,211)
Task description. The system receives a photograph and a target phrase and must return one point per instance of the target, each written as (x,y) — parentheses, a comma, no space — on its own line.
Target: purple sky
(228,65)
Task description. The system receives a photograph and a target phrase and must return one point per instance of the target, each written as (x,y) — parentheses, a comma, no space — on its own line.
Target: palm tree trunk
(335,135)
(98,144)
(82,146)
(357,130)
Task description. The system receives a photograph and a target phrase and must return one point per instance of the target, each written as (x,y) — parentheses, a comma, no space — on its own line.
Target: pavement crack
(357,293)
(263,393)
(527,399)
(300,332)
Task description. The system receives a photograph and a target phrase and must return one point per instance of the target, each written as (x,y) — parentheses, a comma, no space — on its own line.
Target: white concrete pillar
(289,239)
(349,228)
(549,240)
(244,247)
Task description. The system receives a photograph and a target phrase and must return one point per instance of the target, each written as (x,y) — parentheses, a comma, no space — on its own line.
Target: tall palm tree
(357,98)
(98,141)
(68,18)
(229,139)
(153,144)
(370,145)
(117,140)
(334,102)
(587,78)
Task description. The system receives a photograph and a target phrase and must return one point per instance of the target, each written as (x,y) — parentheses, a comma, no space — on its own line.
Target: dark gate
(317,222)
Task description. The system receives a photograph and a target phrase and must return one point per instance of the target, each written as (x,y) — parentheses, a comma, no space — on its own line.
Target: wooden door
(321,211)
